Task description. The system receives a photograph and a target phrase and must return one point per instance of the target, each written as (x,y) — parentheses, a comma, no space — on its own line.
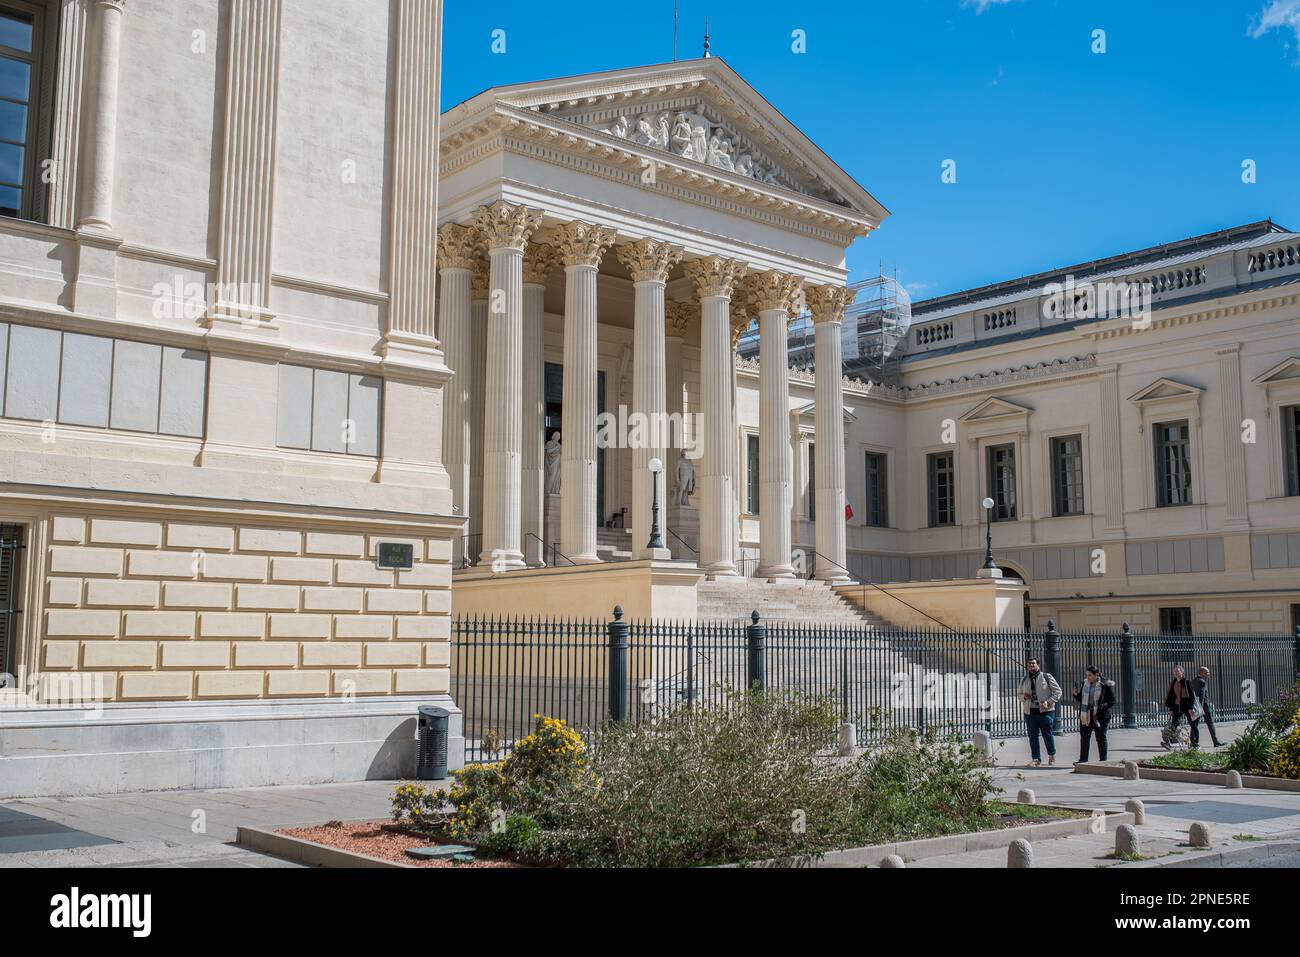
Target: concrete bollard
(983,743)
(892,861)
(1234,779)
(1020,853)
(1026,796)
(1198,835)
(1131,771)
(1137,809)
(848,740)
(1127,842)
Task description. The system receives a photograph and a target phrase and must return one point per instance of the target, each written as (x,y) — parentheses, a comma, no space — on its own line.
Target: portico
(631,226)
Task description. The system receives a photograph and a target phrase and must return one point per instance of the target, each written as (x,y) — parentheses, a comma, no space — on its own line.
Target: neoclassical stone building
(222,391)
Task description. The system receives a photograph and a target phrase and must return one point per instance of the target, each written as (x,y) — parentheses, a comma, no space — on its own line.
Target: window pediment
(1288,370)
(1164,389)
(996,410)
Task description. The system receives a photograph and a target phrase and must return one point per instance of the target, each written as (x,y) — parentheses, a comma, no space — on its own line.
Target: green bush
(417,806)
(514,836)
(1191,761)
(1252,752)
(1276,715)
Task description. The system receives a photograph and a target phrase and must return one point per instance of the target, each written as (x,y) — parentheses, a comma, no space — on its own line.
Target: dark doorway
(554,421)
(11,548)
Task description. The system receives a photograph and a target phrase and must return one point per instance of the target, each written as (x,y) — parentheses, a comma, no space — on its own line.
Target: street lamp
(989,569)
(656,538)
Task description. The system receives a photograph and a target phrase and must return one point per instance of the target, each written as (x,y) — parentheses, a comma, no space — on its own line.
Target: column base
(989,573)
(501,560)
(835,576)
(776,573)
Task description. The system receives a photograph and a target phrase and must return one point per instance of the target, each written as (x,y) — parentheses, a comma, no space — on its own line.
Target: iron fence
(506,671)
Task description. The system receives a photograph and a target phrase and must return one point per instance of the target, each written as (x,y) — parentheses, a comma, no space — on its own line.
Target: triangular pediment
(1165,389)
(701,113)
(1287,369)
(995,408)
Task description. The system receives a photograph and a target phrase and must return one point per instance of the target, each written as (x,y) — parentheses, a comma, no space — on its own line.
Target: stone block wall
(171,609)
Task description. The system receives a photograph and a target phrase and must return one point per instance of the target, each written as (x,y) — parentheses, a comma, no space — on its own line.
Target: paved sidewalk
(1125,745)
(172,828)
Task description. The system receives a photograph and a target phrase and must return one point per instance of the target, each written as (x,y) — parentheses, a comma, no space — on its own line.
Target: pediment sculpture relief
(694,137)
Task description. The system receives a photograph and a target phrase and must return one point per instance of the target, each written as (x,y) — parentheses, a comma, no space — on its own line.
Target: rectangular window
(1002,481)
(812,481)
(941,480)
(94,381)
(878,490)
(1176,621)
(751,474)
(1291,444)
(11,595)
(1174,624)
(26,87)
(1067,475)
(321,410)
(1295,618)
(1173,464)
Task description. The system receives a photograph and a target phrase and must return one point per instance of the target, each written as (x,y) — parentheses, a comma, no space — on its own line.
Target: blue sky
(1062,154)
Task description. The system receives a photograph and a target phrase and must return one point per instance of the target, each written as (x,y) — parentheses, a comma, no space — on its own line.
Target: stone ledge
(307,852)
(1216,778)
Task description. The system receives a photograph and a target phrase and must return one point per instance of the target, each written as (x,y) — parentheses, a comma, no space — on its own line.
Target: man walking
(1096,696)
(1201,688)
(1039,693)
(1180,699)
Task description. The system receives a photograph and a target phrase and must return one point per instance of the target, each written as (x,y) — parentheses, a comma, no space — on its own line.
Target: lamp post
(656,537)
(989,569)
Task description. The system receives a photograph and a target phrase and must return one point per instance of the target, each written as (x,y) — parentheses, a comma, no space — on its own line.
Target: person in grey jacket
(1039,694)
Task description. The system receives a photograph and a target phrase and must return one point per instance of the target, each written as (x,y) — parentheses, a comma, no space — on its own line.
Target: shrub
(1190,760)
(515,835)
(1278,715)
(416,805)
(1252,752)
(1286,752)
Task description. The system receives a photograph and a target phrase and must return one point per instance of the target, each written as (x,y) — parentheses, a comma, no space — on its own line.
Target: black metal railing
(817,562)
(466,550)
(681,541)
(506,671)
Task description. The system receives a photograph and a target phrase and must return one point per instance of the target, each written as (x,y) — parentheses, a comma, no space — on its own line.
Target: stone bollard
(892,860)
(1131,771)
(1234,779)
(1026,796)
(1127,842)
(983,743)
(1137,809)
(1020,853)
(848,740)
(1198,835)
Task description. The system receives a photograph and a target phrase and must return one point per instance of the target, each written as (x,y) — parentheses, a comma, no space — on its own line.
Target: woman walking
(1096,698)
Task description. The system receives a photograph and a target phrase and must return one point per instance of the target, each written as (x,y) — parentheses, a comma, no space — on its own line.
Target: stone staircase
(805,601)
(614,544)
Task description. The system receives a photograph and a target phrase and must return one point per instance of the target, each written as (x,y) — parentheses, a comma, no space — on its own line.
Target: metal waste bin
(431,743)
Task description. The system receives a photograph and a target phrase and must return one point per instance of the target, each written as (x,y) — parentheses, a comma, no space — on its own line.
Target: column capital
(507,225)
(481,278)
(715,276)
(678,317)
(773,290)
(828,302)
(582,244)
(649,260)
(118,5)
(540,259)
(458,247)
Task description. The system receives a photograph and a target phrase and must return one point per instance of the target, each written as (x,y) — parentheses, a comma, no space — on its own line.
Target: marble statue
(553,464)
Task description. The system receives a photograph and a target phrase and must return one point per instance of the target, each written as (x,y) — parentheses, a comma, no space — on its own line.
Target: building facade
(221,387)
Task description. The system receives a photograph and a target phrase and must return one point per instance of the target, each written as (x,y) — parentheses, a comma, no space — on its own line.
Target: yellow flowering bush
(1286,752)
(416,805)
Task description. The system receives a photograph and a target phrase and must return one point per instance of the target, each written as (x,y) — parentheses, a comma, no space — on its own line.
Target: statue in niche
(553,464)
(685,481)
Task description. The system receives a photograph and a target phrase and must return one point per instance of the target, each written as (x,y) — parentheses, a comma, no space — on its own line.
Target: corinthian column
(715,280)
(649,261)
(101,113)
(582,246)
(506,229)
(539,260)
(456,270)
(478,322)
(773,294)
(828,304)
(243,293)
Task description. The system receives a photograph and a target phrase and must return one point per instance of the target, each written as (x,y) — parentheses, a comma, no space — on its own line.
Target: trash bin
(431,743)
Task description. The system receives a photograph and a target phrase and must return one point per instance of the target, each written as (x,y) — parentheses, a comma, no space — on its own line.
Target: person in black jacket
(1096,698)
(1180,699)
(1201,688)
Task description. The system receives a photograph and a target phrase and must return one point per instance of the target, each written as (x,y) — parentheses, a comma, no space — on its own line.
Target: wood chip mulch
(381,839)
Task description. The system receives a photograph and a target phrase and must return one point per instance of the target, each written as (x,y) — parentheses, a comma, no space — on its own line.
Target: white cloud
(1279,15)
(982,5)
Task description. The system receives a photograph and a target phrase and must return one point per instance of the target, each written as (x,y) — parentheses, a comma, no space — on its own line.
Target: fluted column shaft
(457,342)
(506,229)
(773,293)
(715,280)
(831,541)
(478,323)
(649,261)
(539,260)
(99,169)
